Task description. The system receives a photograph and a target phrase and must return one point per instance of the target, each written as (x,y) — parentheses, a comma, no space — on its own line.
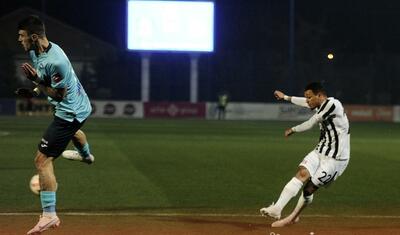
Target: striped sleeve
(325,111)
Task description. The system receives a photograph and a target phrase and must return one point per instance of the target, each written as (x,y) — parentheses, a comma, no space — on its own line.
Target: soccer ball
(34,184)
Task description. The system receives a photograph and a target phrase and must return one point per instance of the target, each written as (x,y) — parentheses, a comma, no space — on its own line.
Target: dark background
(252,49)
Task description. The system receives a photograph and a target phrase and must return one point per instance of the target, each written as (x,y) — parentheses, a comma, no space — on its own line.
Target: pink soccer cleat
(45,223)
(285,222)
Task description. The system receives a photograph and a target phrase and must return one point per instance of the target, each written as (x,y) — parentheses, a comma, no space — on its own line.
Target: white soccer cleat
(271,211)
(45,223)
(74,155)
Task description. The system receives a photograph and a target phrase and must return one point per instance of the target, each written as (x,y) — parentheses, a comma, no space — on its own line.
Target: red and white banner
(174,110)
(369,113)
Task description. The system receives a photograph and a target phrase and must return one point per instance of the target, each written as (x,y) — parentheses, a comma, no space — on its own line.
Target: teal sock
(48,200)
(84,151)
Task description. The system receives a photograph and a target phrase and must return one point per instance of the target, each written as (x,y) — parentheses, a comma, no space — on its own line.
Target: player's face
(313,100)
(25,40)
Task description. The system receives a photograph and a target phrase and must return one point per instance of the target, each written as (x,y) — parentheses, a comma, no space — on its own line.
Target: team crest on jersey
(57,78)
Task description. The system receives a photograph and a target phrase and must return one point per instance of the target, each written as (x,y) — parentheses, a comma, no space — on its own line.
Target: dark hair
(33,25)
(315,87)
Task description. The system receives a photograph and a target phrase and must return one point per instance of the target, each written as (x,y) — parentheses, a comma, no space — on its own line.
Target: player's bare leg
(289,191)
(82,152)
(48,185)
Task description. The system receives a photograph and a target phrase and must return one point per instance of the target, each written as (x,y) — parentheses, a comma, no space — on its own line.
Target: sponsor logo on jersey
(44,143)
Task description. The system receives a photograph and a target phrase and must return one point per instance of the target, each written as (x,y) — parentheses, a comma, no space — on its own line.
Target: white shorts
(323,169)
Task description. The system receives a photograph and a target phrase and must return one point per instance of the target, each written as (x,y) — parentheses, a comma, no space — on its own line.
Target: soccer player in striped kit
(323,164)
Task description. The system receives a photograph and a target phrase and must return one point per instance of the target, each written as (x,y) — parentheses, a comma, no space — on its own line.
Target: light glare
(170,25)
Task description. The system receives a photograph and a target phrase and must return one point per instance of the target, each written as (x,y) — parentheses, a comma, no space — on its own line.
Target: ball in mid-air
(34,184)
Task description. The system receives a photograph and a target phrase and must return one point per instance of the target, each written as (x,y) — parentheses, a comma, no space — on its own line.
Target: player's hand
(288,132)
(26,92)
(279,95)
(29,72)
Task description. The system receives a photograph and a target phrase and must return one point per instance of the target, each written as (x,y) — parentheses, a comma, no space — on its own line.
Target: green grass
(176,165)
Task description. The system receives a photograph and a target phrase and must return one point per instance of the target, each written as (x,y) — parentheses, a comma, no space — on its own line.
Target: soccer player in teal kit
(54,76)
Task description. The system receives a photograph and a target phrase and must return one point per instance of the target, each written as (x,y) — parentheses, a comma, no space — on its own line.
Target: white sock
(290,190)
(49,214)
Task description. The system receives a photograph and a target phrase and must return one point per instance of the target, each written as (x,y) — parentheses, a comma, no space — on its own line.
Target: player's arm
(307,125)
(300,101)
(57,94)
(325,112)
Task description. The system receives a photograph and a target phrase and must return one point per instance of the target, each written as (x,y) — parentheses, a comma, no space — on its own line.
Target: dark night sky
(251,56)
(351,25)
(103,18)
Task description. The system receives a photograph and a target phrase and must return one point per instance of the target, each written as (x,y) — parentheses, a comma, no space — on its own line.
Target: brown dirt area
(199,225)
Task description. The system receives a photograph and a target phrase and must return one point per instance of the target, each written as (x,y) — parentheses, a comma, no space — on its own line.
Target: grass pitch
(198,165)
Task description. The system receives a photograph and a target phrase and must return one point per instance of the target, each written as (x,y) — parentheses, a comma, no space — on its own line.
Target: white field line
(194,215)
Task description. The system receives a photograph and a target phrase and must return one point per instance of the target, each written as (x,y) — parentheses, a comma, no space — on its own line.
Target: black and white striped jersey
(334,138)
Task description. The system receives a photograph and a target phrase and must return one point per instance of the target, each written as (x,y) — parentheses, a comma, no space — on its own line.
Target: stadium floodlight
(170,25)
